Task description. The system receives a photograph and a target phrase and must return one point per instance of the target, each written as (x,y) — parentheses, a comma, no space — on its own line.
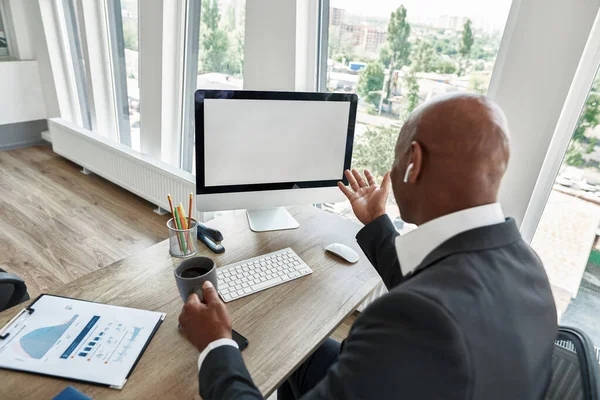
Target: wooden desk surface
(283,324)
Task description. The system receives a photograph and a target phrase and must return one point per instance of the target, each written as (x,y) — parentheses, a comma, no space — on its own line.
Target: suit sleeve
(376,240)
(224,376)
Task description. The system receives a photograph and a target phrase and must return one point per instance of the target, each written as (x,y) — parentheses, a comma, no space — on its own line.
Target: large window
(129,13)
(124,46)
(214,59)
(395,55)
(3,37)
(567,237)
(75,49)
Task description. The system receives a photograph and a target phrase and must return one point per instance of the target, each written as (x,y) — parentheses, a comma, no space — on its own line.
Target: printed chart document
(75,339)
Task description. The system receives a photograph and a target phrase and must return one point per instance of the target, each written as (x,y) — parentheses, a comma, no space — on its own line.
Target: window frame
(118,69)
(322,45)
(588,67)
(193,17)
(76,52)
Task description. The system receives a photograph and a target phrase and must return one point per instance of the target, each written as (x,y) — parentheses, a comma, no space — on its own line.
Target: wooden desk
(284,324)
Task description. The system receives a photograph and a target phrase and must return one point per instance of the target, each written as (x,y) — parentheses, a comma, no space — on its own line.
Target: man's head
(451,154)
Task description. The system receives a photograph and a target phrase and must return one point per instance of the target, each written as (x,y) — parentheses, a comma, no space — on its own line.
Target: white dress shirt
(214,345)
(414,246)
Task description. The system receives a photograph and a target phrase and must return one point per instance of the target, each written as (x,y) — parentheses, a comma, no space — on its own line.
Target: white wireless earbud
(408,169)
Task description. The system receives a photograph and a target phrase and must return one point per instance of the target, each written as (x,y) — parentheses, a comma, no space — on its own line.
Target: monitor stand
(274,219)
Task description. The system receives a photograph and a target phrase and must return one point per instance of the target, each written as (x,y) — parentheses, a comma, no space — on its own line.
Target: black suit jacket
(476,320)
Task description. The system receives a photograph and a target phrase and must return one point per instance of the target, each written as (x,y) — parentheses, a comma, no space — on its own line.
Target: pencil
(182,218)
(180,227)
(185,225)
(190,212)
(174,221)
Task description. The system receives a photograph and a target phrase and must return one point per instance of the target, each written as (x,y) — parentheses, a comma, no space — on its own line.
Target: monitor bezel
(203,94)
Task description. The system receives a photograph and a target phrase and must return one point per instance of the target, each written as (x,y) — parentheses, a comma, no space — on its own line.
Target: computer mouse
(343,251)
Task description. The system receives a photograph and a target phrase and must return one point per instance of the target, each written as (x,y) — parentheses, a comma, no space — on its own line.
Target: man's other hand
(367,200)
(203,323)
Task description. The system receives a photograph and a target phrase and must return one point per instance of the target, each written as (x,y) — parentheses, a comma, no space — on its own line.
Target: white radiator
(133,171)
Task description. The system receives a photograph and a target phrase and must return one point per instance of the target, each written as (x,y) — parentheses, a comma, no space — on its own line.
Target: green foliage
(412,87)
(371,109)
(424,57)
(399,47)
(222,44)
(589,119)
(574,155)
(477,84)
(398,33)
(467,39)
(385,56)
(485,48)
(465,46)
(375,150)
(130,34)
(215,42)
(445,67)
(340,46)
(445,46)
(371,80)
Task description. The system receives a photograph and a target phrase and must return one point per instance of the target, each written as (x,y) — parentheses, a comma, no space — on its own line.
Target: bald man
(469,313)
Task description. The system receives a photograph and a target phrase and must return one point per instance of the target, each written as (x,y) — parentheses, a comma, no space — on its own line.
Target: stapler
(212,238)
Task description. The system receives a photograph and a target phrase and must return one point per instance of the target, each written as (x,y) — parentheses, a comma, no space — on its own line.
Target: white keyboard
(259,273)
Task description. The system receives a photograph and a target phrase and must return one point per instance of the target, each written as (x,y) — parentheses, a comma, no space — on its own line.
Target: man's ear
(416,160)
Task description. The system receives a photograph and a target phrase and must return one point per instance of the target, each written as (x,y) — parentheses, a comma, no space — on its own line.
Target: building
(351,34)
(337,16)
(451,22)
(363,37)
(374,39)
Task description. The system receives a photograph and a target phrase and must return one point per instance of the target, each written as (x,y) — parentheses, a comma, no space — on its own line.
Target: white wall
(31,42)
(540,51)
(21,97)
(27,89)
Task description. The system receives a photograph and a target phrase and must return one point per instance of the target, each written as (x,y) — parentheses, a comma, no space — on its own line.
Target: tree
(589,119)
(445,46)
(215,42)
(412,88)
(374,150)
(465,46)
(574,155)
(235,29)
(398,33)
(385,56)
(423,59)
(370,82)
(445,67)
(340,45)
(399,48)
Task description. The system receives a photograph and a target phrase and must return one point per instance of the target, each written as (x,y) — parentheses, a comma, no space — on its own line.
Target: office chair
(575,369)
(12,290)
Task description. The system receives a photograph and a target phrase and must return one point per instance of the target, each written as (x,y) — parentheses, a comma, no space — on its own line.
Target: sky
(491,11)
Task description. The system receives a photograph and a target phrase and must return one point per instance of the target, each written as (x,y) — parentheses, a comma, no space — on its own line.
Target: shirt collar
(413,247)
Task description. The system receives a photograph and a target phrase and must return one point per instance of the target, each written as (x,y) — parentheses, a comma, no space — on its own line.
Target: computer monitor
(261,151)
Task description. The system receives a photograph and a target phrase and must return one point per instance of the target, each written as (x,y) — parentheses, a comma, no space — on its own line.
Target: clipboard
(79,340)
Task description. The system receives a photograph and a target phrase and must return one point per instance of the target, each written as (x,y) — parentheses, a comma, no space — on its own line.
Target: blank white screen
(271,141)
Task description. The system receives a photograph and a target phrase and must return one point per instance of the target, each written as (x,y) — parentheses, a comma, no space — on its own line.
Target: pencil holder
(183,242)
